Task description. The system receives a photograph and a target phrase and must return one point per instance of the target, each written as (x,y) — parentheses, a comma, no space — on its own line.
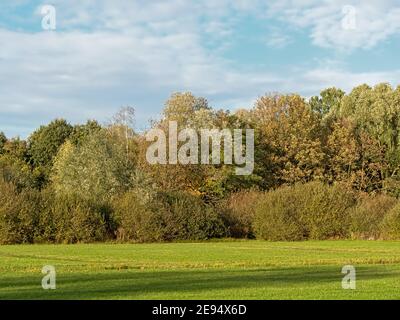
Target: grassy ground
(212,270)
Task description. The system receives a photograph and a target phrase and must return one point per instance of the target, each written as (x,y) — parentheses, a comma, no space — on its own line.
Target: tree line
(91,182)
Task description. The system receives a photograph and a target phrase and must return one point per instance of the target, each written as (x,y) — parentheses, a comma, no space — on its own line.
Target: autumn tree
(289,140)
(187,111)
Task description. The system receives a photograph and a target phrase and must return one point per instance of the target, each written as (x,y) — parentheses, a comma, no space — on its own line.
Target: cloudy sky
(106,54)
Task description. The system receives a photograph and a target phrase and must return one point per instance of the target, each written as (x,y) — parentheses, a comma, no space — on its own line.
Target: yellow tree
(289,139)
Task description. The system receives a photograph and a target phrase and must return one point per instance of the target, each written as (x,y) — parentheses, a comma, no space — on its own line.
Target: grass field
(209,270)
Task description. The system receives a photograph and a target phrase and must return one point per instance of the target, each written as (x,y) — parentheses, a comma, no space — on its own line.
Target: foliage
(45,142)
(80,132)
(277,217)
(304,211)
(324,209)
(95,170)
(170,216)
(288,133)
(328,102)
(390,228)
(313,157)
(17,172)
(367,216)
(135,219)
(19,214)
(78,220)
(3,140)
(238,212)
(186,217)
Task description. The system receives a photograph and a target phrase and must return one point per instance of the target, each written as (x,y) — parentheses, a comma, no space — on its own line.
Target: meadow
(204,270)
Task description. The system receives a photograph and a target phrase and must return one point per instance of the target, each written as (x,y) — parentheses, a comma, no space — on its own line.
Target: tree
(188,110)
(14,166)
(45,142)
(81,131)
(16,172)
(94,170)
(122,128)
(289,144)
(341,152)
(16,148)
(328,101)
(3,140)
(376,114)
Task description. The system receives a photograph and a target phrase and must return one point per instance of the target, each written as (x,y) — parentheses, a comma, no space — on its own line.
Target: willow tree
(95,170)
(376,114)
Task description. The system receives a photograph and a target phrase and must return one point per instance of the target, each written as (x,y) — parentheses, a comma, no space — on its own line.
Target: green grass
(208,270)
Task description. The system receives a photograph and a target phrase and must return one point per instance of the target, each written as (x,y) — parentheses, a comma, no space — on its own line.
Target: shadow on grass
(129,284)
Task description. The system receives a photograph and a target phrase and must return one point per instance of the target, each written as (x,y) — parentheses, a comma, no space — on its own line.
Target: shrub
(46,224)
(325,210)
(277,217)
(167,217)
(77,220)
(390,227)
(304,211)
(238,212)
(367,216)
(33,216)
(136,220)
(187,217)
(19,214)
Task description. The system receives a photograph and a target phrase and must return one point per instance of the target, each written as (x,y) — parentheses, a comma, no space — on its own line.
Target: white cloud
(375,21)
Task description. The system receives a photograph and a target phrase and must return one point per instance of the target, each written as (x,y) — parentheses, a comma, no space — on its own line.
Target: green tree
(328,101)
(45,142)
(375,112)
(81,131)
(94,170)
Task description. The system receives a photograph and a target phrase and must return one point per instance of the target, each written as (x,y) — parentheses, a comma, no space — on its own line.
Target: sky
(105,54)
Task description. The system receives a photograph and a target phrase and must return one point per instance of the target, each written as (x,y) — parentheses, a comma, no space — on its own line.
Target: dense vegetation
(326,167)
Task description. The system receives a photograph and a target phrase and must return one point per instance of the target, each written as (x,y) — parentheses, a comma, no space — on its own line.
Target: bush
(135,219)
(390,227)
(325,210)
(367,216)
(167,217)
(238,212)
(277,217)
(304,211)
(187,217)
(77,220)
(33,216)
(19,214)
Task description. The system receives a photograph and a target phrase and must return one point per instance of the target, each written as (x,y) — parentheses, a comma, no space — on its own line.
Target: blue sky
(107,54)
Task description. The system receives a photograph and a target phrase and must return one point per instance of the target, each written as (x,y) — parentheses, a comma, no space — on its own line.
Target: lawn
(207,270)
